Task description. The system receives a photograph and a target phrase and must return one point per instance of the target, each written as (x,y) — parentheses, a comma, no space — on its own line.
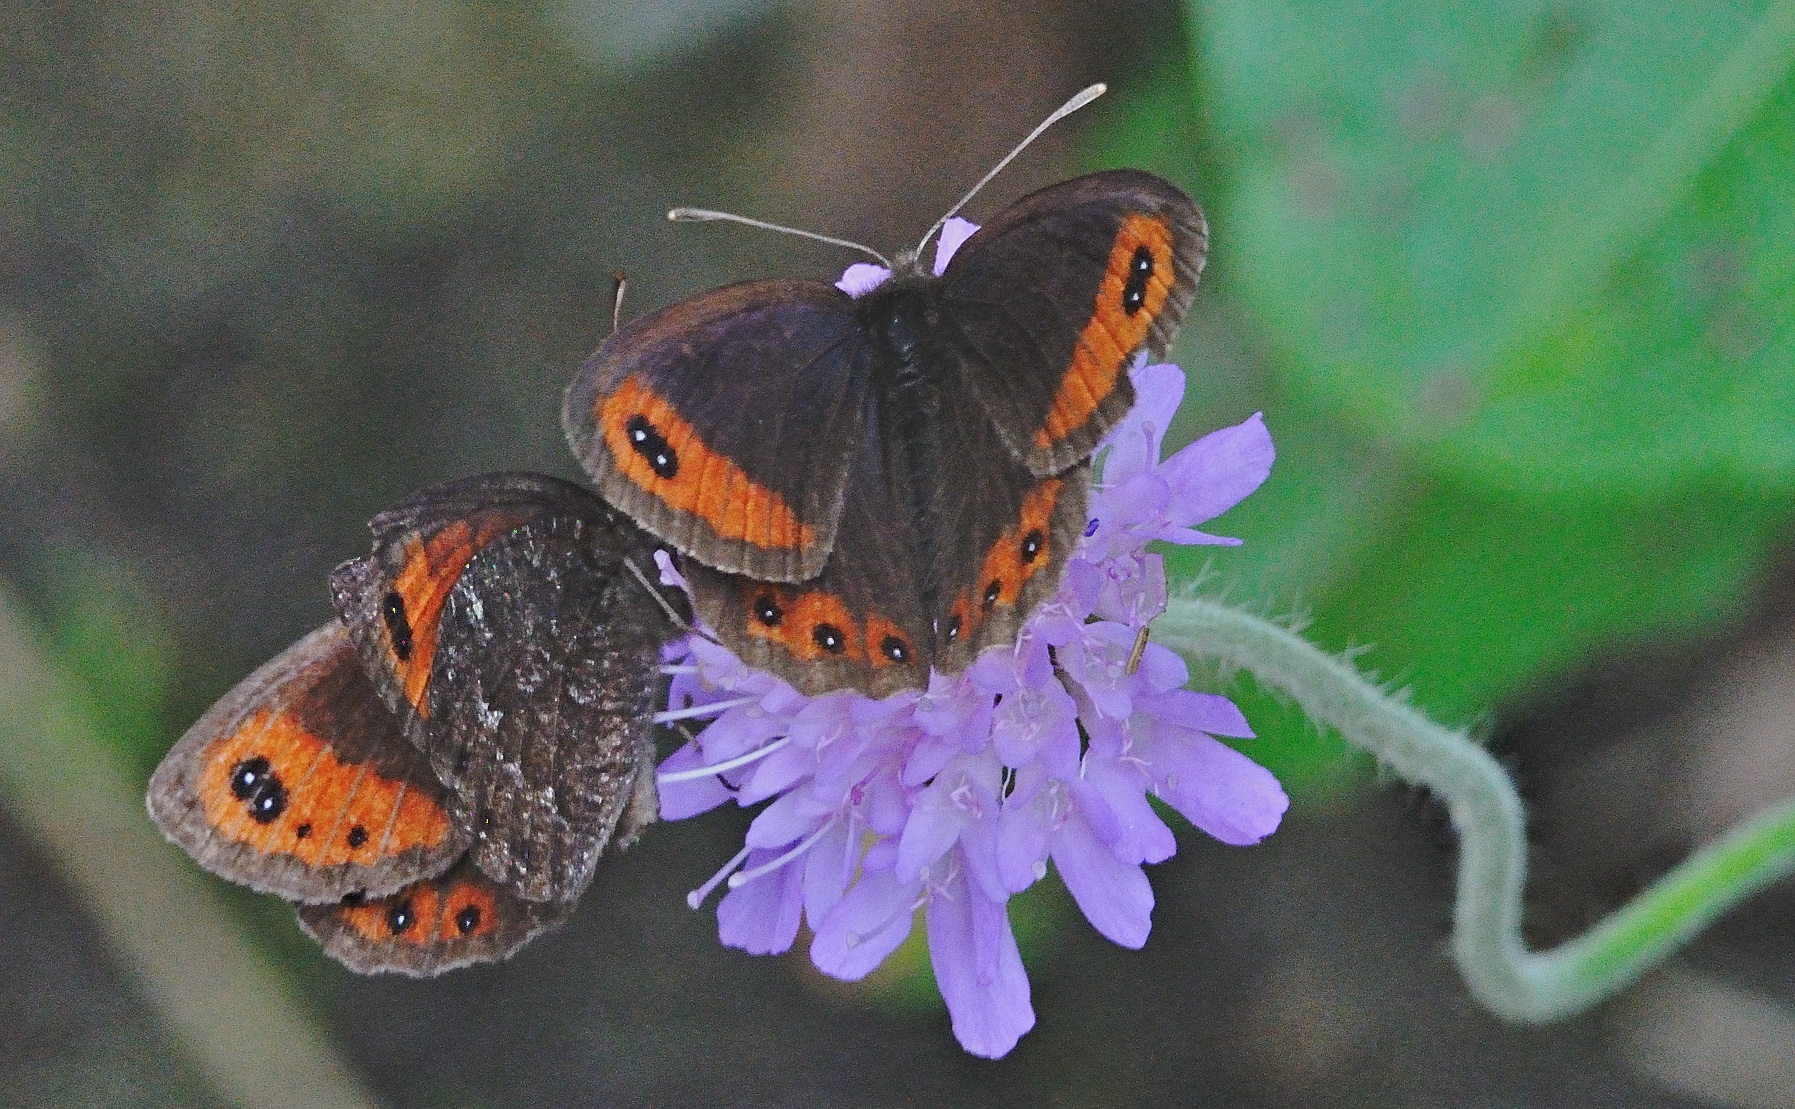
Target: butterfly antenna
(619,282)
(1085,96)
(706,215)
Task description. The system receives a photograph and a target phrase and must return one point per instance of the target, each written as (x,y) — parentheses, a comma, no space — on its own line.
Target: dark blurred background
(1510,282)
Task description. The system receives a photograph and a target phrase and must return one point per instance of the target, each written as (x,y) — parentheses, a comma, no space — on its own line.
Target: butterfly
(867,488)
(432,777)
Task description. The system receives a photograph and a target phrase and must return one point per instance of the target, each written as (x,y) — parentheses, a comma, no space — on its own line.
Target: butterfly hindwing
(861,623)
(299,782)
(541,716)
(724,424)
(1049,303)
(455,919)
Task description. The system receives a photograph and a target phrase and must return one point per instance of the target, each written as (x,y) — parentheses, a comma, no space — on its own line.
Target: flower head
(955,799)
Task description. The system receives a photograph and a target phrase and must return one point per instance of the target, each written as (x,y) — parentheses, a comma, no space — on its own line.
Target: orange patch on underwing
(432,908)
(325,799)
(1112,334)
(704,483)
(963,612)
(432,567)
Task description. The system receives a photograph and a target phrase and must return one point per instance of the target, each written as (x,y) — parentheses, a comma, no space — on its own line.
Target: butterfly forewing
(724,424)
(1050,303)
(299,783)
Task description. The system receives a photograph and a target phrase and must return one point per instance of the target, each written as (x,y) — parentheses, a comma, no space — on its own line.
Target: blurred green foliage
(1517,277)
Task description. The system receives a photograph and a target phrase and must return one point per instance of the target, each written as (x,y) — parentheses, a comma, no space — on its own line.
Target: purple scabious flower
(955,799)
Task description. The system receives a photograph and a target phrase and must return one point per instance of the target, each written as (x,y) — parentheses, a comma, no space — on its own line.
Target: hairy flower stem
(1515,983)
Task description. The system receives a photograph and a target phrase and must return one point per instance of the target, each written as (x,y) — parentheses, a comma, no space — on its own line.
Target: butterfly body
(870,488)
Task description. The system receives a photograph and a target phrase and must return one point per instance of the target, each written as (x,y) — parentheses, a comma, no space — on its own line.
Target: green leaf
(1462,220)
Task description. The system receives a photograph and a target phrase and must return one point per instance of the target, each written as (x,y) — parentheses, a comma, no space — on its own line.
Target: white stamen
(697,772)
(714,708)
(737,881)
(697,896)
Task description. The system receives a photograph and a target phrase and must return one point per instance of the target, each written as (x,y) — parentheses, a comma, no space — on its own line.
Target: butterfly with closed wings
(433,777)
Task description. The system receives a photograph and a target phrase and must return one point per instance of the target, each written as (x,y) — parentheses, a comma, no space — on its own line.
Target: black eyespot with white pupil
(1134,292)
(398,626)
(894,649)
(401,916)
(953,629)
(467,919)
(254,782)
(1031,546)
(992,592)
(830,638)
(652,446)
(767,610)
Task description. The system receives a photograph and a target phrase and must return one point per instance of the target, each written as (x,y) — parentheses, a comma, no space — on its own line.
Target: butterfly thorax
(909,384)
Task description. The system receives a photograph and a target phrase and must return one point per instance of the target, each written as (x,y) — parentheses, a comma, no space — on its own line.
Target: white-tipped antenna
(705,215)
(619,282)
(1084,97)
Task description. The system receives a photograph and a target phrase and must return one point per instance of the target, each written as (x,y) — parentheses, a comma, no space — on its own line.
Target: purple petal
(978,969)
(828,868)
(1133,589)
(1136,441)
(1039,723)
(1022,833)
(1202,712)
(1162,669)
(954,232)
(1135,833)
(866,925)
(776,773)
(1216,472)
(786,820)
(1219,789)
(1113,895)
(862,278)
(761,917)
(689,798)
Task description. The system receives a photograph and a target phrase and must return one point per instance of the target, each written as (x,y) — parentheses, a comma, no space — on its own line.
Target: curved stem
(1514,982)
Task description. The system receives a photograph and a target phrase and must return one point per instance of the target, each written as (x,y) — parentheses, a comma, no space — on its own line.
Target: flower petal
(1219,789)
(1113,895)
(978,969)
(954,232)
(866,925)
(862,278)
(1216,472)
(761,916)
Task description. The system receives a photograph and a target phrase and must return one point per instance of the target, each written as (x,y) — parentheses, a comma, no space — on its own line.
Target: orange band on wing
(664,456)
(295,797)
(1021,551)
(431,569)
(1114,332)
(427,913)
(811,625)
